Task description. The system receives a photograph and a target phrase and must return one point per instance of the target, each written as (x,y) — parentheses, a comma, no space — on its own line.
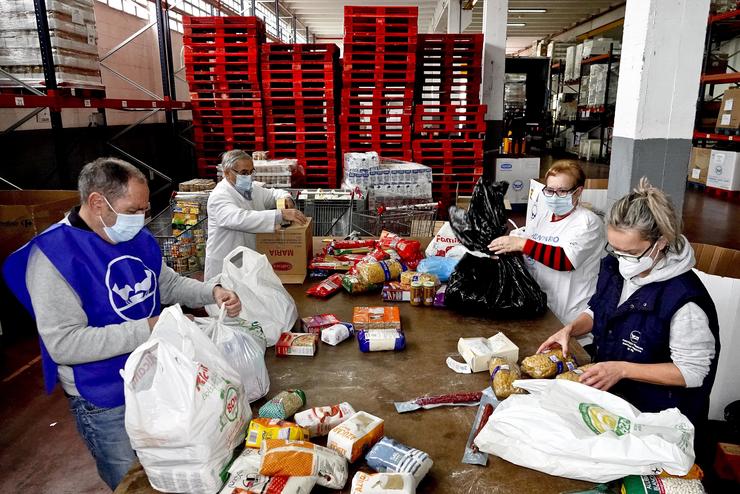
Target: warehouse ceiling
(325,18)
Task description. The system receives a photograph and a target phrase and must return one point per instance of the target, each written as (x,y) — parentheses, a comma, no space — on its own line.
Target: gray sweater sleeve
(62,323)
(176,289)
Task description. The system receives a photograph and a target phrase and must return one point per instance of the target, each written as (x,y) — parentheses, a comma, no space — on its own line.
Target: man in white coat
(238,208)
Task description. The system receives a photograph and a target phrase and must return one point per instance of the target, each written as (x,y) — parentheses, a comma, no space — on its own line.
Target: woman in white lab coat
(238,208)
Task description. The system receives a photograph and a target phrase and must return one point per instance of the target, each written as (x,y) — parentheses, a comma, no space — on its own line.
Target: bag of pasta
(548,364)
(373,272)
(575,374)
(353,284)
(503,374)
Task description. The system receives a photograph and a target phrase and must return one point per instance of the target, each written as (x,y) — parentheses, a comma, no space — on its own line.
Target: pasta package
(283,458)
(354,284)
(548,364)
(262,428)
(503,375)
(382,483)
(373,272)
(355,435)
(320,420)
(326,288)
(575,374)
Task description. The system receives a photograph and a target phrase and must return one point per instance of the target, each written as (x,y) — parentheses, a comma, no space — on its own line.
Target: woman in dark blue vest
(655,326)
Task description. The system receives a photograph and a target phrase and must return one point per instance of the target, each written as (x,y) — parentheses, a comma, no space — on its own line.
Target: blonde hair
(570,168)
(649,211)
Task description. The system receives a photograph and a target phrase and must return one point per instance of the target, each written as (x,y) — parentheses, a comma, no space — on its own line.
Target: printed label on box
(726,119)
(728,104)
(696,173)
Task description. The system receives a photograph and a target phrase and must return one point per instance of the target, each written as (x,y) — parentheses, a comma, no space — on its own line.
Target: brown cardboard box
(699,165)
(289,250)
(26,213)
(729,112)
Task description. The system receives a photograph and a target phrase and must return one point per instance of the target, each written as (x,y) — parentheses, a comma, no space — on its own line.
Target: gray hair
(107,176)
(649,211)
(230,158)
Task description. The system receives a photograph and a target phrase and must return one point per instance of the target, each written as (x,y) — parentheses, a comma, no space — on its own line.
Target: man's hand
(294,216)
(152,321)
(228,299)
(289,203)
(507,244)
(604,375)
(559,339)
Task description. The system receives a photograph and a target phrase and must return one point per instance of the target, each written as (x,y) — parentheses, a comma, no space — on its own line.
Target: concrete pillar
(453,17)
(662,50)
(495,14)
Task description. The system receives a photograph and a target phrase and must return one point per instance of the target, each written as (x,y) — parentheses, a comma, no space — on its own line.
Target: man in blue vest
(95,283)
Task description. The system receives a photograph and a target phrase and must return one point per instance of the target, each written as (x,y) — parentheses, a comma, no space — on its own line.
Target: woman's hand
(559,339)
(507,244)
(604,375)
(228,299)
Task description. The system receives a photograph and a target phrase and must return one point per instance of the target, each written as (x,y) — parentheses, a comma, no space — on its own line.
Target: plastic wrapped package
(575,374)
(389,456)
(364,318)
(264,428)
(282,458)
(327,287)
(441,267)
(548,364)
(379,271)
(320,420)
(283,405)
(427,402)
(315,324)
(409,250)
(650,484)
(334,335)
(503,375)
(245,478)
(353,284)
(383,483)
(353,437)
(379,340)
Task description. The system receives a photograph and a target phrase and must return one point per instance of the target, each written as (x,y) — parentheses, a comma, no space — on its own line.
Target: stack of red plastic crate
(449,121)
(378,79)
(300,84)
(222,64)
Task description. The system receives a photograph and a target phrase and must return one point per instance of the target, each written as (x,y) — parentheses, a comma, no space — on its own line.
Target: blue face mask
(560,205)
(126,227)
(244,184)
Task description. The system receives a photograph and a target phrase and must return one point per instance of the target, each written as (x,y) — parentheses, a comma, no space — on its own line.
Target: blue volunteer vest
(639,331)
(115,284)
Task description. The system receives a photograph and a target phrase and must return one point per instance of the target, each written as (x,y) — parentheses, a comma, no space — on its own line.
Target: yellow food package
(548,364)
(261,429)
(575,374)
(503,374)
(281,458)
(379,271)
(408,277)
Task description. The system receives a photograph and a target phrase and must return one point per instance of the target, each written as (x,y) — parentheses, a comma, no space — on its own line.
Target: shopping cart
(331,210)
(415,220)
(183,246)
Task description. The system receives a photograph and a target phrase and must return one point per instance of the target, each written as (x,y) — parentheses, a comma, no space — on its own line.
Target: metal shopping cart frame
(332,210)
(413,220)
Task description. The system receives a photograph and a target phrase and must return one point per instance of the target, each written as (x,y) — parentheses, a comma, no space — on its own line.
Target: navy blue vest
(639,331)
(115,283)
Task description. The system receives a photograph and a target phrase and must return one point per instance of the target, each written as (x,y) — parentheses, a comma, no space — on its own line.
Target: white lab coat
(233,220)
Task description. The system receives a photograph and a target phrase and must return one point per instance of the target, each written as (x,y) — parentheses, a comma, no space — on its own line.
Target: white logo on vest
(130,283)
(631,344)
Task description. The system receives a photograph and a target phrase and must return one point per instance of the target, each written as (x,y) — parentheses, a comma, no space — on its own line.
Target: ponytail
(649,211)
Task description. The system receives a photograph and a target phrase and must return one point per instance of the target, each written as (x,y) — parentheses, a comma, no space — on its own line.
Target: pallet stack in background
(222,63)
(449,121)
(378,80)
(301,90)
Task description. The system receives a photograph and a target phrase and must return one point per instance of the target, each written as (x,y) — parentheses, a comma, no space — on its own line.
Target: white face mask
(629,270)
(243,183)
(126,227)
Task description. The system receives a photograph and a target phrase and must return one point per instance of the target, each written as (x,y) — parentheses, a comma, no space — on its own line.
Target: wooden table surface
(373,381)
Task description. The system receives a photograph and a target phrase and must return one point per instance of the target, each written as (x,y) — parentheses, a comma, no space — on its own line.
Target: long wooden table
(373,381)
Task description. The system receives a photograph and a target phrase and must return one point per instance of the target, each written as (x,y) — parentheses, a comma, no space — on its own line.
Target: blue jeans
(104,432)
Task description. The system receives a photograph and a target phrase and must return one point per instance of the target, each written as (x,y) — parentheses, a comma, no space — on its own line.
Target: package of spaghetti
(393,457)
(326,288)
(353,284)
(372,271)
(548,364)
(263,428)
(503,374)
(382,483)
(575,374)
(320,420)
(283,458)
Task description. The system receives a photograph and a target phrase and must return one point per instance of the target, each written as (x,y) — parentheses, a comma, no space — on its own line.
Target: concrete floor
(40,450)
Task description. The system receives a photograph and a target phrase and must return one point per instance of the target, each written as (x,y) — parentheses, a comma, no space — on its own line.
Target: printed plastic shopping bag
(572,430)
(243,346)
(186,409)
(264,299)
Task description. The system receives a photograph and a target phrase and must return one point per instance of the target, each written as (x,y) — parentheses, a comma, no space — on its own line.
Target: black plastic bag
(485,218)
(500,288)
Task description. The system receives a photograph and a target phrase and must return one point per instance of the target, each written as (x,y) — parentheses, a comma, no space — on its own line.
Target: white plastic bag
(263,297)
(245,351)
(572,430)
(186,409)
(444,241)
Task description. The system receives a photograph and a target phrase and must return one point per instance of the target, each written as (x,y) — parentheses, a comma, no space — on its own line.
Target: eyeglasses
(547,191)
(245,172)
(627,257)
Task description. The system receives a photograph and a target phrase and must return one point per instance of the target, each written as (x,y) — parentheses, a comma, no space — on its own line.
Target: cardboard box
(314,324)
(26,213)
(518,172)
(699,165)
(729,112)
(289,251)
(376,318)
(724,170)
(354,437)
(300,344)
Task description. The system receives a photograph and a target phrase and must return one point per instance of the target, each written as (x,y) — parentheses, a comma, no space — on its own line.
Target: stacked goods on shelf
(378,79)
(449,121)
(222,63)
(72,32)
(300,84)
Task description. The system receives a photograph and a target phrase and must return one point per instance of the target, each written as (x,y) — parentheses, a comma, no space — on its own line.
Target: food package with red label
(300,344)
(330,263)
(340,247)
(314,324)
(326,288)
(409,250)
(320,420)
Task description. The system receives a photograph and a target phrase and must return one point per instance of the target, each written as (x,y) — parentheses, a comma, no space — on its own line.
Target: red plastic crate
(468,119)
(447,150)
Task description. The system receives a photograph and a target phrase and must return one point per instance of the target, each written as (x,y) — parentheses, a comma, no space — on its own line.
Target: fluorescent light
(515,24)
(527,11)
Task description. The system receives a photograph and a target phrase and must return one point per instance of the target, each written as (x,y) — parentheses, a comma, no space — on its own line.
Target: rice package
(356,435)
(320,420)
(264,428)
(389,456)
(282,458)
(575,374)
(380,340)
(382,483)
(503,375)
(650,484)
(548,364)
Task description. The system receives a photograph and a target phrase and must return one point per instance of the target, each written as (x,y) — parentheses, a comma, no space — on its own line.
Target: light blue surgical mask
(126,227)
(560,205)
(244,184)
